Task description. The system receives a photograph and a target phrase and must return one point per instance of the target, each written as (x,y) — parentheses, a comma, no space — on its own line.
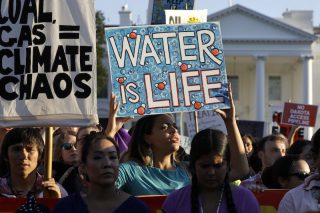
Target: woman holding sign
(152,166)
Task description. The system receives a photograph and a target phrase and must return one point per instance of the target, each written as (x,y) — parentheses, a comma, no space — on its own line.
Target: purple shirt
(123,138)
(180,201)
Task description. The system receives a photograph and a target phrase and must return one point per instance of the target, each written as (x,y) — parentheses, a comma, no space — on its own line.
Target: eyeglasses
(300,175)
(68,146)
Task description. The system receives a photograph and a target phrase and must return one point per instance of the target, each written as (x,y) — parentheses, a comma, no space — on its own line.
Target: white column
(260,87)
(307,79)
(307,88)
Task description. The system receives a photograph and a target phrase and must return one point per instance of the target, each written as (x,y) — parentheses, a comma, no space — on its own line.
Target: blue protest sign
(157,9)
(167,68)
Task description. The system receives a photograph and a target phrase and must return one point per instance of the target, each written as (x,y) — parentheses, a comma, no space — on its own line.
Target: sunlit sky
(270,8)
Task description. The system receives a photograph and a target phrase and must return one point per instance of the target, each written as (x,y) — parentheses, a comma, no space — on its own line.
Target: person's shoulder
(241,191)
(292,200)
(244,199)
(133,204)
(178,199)
(136,201)
(130,163)
(295,191)
(72,198)
(64,204)
(130,166)
(182,191)
(243,195)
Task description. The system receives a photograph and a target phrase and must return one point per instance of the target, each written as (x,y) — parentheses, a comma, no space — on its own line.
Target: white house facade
(270,61)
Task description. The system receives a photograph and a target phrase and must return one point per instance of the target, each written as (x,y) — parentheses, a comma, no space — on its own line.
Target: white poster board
(48,63)
(186,16)
(206,119)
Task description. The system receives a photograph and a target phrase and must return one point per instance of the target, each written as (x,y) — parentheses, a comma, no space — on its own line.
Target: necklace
(219,202)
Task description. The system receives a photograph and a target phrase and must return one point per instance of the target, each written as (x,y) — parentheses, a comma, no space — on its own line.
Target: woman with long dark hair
(210,190)
(153,165)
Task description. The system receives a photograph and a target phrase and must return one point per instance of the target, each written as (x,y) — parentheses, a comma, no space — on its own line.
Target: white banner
(186,16)
(47,63)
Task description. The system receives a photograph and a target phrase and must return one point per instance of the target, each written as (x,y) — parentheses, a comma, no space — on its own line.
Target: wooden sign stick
(196,125)
(48,157)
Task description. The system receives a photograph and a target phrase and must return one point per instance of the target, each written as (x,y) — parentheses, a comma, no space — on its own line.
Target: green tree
(101,55)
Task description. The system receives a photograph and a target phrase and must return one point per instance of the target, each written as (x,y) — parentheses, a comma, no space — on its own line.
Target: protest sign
(258,129)
(156,9)
(186,16)
(207,119)
(47,63)
(299,114)
(167,68)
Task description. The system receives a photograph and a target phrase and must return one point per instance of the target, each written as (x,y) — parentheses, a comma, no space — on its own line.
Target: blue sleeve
(126,174)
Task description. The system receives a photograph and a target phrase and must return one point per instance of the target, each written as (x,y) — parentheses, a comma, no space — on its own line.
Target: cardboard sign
(156,9)
(47,63)
(257,129)
(167,68)
(206,119)
(299,114)
(185,143)
(186,16)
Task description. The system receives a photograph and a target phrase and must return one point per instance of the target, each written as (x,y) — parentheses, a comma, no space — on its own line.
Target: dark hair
(91,139)
(273,137)
(206,142)
(26,136)
(315,140)
(282,168)
(96,128)
(138,149)
(250,137)
(297,147)
(255,162)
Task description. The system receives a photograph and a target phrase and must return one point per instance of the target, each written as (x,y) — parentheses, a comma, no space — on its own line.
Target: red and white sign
(299,114)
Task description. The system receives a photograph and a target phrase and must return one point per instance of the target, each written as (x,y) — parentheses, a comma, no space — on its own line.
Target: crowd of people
(95,169)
